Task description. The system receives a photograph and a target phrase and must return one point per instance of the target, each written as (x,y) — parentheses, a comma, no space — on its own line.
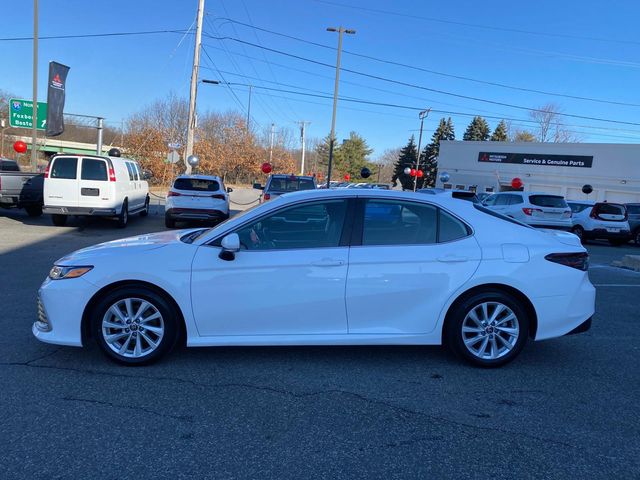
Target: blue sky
(568,47)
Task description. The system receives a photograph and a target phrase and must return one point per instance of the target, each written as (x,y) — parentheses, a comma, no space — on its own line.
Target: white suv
(196,197)
(541,210)
(608,221)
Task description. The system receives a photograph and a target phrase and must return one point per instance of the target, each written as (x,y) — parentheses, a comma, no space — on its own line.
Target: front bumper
(80,211)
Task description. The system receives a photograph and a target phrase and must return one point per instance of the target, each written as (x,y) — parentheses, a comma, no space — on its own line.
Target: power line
(476,25)
(411,85)
(91,35)
(435,72)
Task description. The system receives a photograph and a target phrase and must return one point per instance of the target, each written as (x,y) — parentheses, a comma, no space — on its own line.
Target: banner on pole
(55,98)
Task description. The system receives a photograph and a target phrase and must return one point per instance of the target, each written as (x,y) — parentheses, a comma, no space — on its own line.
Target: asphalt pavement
(566,408)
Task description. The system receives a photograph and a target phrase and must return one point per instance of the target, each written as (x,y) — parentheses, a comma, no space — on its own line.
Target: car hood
(123,246)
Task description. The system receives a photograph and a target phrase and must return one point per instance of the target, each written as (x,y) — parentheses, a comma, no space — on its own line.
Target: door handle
(453,259)
(328,262)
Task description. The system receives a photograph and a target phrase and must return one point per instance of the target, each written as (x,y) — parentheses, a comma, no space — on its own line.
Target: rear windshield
(9,166)
(488,211)
(64,167)
(610,209)
(196,185)
(553,201)
(94,170)
(290,184)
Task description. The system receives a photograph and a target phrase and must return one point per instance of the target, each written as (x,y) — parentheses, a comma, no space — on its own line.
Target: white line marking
(614,285)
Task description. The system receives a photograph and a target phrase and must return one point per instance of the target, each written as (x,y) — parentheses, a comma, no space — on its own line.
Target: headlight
(58,272)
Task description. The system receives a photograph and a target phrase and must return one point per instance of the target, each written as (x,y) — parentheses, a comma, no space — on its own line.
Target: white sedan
(326,267)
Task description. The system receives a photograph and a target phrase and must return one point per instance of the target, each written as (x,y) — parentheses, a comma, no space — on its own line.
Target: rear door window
(551,201)
(134,170)
(515,199)
(501,200)
(64,168)
(93,169)
(130,170)
(196,185)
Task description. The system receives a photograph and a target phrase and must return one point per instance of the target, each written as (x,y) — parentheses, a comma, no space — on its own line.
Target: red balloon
(420,174)
(20,146)
(347,177)
(265,167)
(516,183)
(413,172)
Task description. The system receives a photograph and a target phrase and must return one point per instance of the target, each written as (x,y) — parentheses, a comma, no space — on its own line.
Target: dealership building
(613,170)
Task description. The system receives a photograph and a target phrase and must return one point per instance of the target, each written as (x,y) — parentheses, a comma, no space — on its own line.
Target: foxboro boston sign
(580,161)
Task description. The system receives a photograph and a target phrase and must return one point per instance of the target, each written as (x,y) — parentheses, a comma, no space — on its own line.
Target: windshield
(553,201)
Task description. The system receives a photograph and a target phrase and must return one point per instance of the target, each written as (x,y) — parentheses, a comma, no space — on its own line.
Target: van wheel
(145,212)
(169,222)
(34,210)
(488,329)
(59,220)
(123,218)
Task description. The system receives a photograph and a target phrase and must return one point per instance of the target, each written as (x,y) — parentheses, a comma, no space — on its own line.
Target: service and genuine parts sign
(580,161)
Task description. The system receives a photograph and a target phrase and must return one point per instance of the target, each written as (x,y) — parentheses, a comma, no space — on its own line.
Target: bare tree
(548,119)
(385,164)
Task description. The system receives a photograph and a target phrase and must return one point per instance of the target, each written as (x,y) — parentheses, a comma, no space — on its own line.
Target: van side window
(65,167)
(136,172)
(130,170)
(93,170)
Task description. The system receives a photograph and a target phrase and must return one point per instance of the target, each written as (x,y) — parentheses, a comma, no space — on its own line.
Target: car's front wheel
(135,325)
(487,329)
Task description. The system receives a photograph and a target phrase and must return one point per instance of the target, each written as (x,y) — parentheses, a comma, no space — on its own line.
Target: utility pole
(3,126)
(340,31)
(34,131)
(422,115)
(303,125)
(191,125)
(249,110)
(273,132)
(100,132)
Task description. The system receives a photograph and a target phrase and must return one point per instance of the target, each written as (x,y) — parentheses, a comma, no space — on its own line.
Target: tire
(59,220)
(34,210)
(169,222)
(123,218)
(489,346)
(145,212)
(616,242)
(134,341)
(636,237)
(579,231)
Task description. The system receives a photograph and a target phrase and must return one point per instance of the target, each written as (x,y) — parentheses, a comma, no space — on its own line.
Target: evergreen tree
(429,156)
(500,133)
(477,130)
(354,153)
(322,149)
(407,158)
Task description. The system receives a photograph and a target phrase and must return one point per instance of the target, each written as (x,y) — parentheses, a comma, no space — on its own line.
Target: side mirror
(229,189)
(257,186)
(230,245)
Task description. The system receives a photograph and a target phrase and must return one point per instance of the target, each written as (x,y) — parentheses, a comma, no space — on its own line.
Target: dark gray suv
(280,184)
(633,210)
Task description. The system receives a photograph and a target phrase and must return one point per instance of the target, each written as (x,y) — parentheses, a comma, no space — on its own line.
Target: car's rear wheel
(145,211)
(123,218)
(34,210)
(169,222)
(135,325)
(579,231)
(59,220)
(488,329)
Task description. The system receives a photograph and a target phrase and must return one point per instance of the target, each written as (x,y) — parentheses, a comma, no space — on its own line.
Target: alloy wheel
(490,330)
(133,327)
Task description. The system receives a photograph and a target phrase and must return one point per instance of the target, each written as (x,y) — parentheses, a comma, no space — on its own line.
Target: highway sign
(21,114)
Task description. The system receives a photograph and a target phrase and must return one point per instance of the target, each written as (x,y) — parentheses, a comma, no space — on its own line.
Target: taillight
(266,196)
(173,194)
(573,260)
(218,196)
(112,175)
(46,170)
(529,211)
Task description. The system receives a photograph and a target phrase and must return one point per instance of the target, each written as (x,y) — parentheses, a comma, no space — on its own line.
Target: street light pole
(34,131)
(340,31)
(3,126)
(249,110)
(191,125)
(303,126)
(422,115)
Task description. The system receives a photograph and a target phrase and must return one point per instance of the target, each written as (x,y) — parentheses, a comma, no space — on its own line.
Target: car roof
(582,202)
(284,175)
(200,177)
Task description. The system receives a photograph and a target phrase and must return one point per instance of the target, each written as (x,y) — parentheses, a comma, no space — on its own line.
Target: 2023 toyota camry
(326,267)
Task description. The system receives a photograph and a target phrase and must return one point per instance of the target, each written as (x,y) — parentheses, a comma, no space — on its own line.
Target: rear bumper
(566,228)
(81,211)
(195,214)
(583,327)
(603,233)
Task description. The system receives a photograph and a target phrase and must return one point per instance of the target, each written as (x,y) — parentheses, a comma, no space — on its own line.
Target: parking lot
(565,408)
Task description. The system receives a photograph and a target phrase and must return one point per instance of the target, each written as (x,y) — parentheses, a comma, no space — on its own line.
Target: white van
(108,186)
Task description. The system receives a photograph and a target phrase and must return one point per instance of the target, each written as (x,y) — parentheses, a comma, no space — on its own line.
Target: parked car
(20,189)
(196,197)
(278,184)
(482,283)
(633,213)
(541,210)
(482,195)
(602,220)
(460,194)
(90,185)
